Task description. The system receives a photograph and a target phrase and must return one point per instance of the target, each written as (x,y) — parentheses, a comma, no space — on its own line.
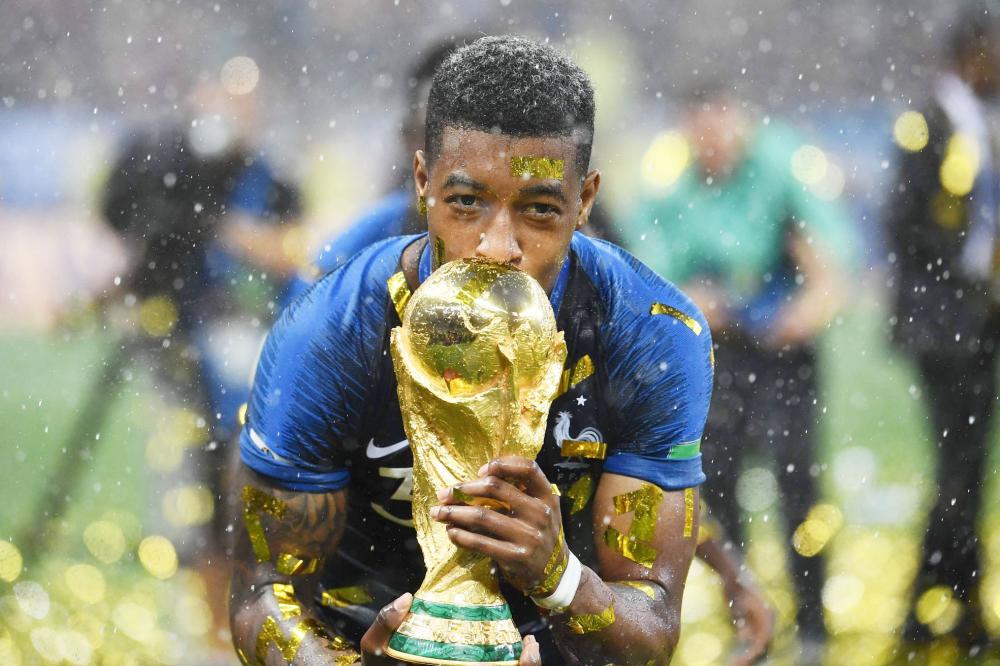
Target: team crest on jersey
(561,433)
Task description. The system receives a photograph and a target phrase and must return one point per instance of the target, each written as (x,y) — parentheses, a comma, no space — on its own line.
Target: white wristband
(567,587)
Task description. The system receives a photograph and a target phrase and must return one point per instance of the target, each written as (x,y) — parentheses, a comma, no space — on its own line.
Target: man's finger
(501,551)
(519,471)
(531,655)
(493,488)
(485,521)
(386,622)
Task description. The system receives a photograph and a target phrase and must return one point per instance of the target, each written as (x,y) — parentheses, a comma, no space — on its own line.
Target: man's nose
(499,242)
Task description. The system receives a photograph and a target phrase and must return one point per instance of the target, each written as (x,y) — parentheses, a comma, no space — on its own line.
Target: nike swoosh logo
(374,451)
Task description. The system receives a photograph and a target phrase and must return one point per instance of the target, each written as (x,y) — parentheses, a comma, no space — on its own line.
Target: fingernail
(435,510)
(443,494)
(402,602)
(482,470)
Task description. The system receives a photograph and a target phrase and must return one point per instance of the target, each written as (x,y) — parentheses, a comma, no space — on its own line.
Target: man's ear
(421,175)
(588,195)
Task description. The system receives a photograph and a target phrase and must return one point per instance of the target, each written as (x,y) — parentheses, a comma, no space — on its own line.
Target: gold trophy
(477,360)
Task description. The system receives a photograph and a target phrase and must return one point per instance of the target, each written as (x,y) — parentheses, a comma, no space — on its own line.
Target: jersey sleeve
(659,371)
(314,377)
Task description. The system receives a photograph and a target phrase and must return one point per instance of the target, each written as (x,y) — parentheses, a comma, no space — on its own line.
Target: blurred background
(109,582)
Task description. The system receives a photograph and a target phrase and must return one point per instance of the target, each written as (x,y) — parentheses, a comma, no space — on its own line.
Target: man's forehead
(531,156)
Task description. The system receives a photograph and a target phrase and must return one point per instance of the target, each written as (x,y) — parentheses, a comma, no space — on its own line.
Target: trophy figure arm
(282,537)
(628,610)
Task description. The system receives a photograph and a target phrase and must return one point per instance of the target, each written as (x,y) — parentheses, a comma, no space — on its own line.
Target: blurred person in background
(763,258)
(211,232)
(942,226)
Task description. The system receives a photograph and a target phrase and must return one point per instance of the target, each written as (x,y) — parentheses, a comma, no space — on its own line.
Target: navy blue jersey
(324,413)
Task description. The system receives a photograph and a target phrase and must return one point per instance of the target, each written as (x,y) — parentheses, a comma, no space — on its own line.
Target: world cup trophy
(478,360)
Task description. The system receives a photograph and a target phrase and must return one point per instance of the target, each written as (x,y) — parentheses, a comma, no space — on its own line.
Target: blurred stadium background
(74,77)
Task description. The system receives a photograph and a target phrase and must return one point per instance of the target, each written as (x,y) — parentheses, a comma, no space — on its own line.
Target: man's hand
(754,624)
(520,539)
(375,640)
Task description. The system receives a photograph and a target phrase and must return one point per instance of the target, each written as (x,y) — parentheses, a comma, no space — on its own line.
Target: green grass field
(98,597)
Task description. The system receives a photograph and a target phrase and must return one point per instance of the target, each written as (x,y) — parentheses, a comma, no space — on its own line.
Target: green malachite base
(417,650)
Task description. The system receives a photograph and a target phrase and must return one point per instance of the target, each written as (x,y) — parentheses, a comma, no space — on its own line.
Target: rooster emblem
(560,431)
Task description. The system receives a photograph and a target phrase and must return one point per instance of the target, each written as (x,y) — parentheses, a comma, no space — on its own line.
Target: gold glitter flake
(688,512)
(537,167)
(581,370)
(588,624)
(438,252)
(339,597)
(644,503)
(288,646)
(290,565)
(399,292)
(256,502)
(288,605)
(687,320)
(577,448)
(554,570)
(580,493)
(645,588)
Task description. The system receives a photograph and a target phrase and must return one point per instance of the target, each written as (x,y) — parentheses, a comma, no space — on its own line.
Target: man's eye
(465,200)
(542,209)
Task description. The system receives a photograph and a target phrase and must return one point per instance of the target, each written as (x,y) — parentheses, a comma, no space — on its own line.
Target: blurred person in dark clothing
(211,233)
(762,256)
(942,226)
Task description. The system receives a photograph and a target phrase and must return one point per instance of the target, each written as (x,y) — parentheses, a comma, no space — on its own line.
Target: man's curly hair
(512,86)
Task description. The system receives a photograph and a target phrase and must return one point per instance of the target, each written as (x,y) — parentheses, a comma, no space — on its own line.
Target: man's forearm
(272,625)
(623,623)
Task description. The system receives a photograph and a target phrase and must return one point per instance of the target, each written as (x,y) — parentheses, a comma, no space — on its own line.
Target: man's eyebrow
(544,190)
(460,180)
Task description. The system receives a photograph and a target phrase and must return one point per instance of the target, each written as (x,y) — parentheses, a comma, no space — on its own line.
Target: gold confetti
(644,503)
(288,646)
(422,206)
(256,502)
(687,320)
(688,512)
(438,252)
(553,571)
(354,595)
(587,624)
(537,167)
(581,370)
(645,588)
(288,605)
(290,565)
(580,493)
(555,490)
(580,448)
(399,292)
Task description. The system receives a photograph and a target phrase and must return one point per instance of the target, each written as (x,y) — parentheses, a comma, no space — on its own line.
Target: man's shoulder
(631,293)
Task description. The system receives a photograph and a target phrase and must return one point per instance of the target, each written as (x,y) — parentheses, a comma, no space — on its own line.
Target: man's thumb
(388,620)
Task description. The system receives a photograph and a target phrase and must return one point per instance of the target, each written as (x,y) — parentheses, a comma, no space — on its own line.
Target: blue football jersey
(324,413)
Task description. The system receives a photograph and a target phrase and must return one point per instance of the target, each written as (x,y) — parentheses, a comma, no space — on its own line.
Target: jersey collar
(424,271)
